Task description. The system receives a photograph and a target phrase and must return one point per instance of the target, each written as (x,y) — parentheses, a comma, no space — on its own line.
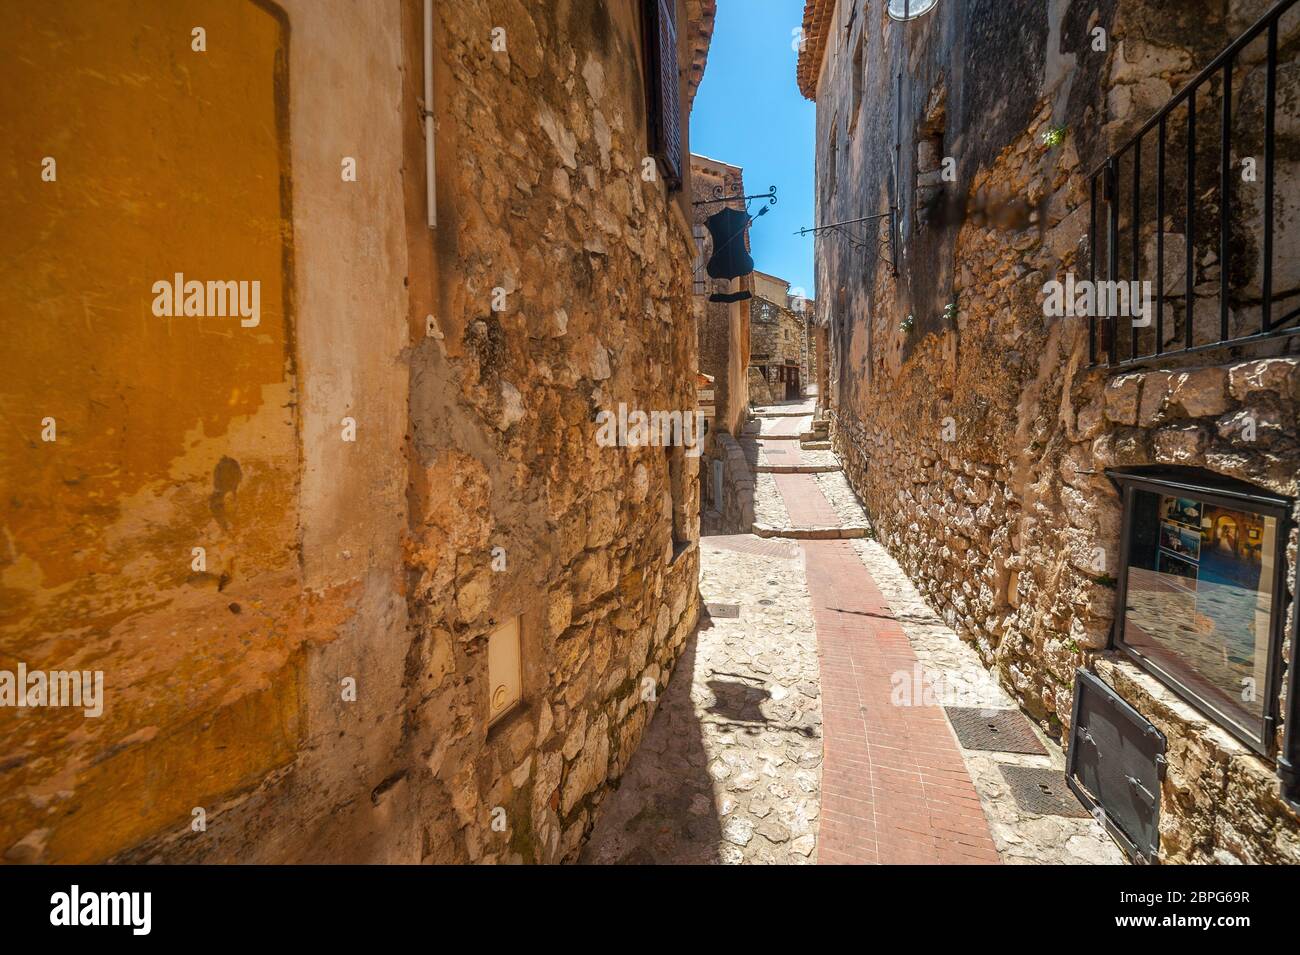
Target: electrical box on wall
(505,679)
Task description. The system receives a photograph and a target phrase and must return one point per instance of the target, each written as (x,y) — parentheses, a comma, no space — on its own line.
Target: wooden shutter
(663,95)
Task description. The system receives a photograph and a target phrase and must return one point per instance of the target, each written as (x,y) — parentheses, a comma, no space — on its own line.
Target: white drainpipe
(431,186)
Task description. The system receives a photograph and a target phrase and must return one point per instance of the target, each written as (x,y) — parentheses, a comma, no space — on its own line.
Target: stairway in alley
(782,737)
(800,489)
(894,788)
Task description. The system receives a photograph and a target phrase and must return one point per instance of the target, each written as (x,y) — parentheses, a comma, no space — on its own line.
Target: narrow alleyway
(791,732)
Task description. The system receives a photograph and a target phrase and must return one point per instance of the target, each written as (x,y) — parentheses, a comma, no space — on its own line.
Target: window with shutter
(662,91)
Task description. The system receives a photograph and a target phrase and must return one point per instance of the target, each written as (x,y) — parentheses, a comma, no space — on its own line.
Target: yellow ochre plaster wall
(171,433)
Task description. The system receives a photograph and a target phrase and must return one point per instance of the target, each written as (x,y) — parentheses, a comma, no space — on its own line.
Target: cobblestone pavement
(738,766)
(769,505)
(834,487)
(729,770)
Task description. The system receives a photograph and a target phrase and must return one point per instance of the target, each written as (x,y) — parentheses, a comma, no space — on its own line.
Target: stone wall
(776,339)
(723,334)
(543,196)
(809,349)
(821,364)
(734,511)
(776,333)
(318,692)
(722,327)
(761,392)
(969,424)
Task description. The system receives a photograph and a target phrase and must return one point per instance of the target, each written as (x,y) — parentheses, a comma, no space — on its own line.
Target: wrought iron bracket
(720,195)
(859,243)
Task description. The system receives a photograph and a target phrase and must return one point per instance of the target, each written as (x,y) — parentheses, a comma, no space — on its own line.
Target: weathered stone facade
(546,198)
(732,500)
(320,690)
(807,311)
(820,360)
(777,341)
(970,425)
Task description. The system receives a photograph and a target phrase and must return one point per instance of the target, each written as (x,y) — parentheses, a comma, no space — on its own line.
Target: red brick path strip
(805,503)
(894,786)
(781,452)
(784,427)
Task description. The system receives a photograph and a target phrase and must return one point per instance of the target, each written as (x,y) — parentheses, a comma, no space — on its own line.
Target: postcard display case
(1200,588)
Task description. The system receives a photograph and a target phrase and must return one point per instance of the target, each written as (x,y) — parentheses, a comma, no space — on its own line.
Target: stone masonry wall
(809,349)
(777,335)
(776,332)
(970,425)
(544,197)
(723,335)
(401,458)
(736,510)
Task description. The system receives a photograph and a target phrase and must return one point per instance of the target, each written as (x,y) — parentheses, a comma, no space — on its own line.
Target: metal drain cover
(723,610)
(1043,792)
(1000,731)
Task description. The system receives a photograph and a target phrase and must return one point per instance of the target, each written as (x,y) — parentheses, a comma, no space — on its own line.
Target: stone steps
(819,533)
(815,445)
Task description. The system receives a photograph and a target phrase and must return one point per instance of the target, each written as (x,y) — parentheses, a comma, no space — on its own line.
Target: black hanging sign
(730,257)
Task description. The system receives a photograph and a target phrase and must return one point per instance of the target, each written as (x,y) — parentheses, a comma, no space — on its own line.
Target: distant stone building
(819,362)
(778,355)
(806,309)
(1111,489)
(362,581)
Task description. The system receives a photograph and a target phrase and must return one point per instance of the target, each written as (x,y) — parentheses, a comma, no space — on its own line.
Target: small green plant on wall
(905,326)
(950,312)
(1053,136)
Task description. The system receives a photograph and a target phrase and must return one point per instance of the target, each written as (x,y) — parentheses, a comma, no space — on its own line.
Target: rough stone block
(1180,444)
(1121,398)
(1280,375)
(1199,392)
(1155,394)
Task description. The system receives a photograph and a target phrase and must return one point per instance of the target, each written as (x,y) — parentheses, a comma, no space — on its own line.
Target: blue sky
(750,113)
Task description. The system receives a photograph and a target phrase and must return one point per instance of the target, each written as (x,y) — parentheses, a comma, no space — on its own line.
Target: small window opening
(676,456)
(701,242)
(831,158)
(929,157)
(858,81)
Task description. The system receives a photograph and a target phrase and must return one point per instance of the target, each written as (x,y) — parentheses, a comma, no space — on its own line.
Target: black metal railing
(1148,339)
